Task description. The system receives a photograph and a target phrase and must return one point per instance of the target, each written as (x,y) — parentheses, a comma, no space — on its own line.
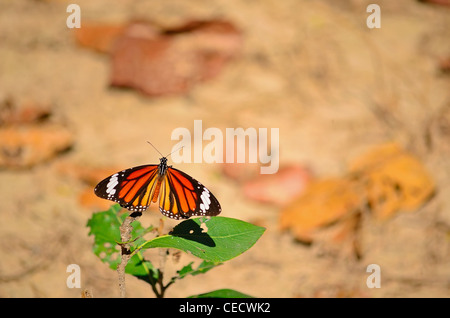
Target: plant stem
(162,263)
(125,235)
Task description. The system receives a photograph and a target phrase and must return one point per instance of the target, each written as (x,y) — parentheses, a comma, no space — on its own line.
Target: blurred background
(79,104)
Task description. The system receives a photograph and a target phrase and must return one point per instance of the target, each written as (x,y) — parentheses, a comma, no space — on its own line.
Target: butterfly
(180,195)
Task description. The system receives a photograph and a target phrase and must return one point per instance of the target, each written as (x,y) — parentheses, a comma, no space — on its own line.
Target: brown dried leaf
(237,171)
(159,61)
(437,2)
(175,61)
(150,66)
(444,65)
(279,188)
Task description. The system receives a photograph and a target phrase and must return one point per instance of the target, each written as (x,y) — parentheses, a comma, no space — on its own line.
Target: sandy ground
(310,68)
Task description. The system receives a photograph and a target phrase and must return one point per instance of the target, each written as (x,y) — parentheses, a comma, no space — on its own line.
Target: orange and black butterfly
(180,195)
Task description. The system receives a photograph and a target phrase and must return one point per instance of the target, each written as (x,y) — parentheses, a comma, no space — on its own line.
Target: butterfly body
(180,195)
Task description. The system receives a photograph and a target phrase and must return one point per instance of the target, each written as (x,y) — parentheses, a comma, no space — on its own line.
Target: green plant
(214,240)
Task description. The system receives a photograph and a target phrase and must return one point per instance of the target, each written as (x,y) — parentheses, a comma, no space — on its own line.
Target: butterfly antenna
(155,148)
(174,151)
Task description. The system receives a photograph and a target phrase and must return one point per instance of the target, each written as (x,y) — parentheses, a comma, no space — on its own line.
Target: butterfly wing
(132,188)
(181,197)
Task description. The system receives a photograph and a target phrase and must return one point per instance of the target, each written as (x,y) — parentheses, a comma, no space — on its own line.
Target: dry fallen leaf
(90,201)
(322,203)
(150,66)
(175,61)
(158,61)
(384,181)
(444,65)
(279,188)
(234,170)
(437,2)
(99,37)
(26,145)
(102,37)
(393,180)
(27,137)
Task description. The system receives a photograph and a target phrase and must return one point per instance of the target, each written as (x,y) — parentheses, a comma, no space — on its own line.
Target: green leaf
(216,239)
(105,226)
(222,293)
(142,269)
(201,269)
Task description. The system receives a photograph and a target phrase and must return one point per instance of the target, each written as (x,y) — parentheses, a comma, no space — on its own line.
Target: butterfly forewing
(131,188)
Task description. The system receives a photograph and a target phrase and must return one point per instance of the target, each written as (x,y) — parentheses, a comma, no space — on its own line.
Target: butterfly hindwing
(182,197)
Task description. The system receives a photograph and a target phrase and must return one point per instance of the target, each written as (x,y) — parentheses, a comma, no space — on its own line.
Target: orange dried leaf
(385,180)
(323,203)
(100,37)
(25,146)
(393,179)
(89,200)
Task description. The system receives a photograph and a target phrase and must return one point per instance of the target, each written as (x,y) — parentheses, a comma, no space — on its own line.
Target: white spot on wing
(110,187)
(204,206)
